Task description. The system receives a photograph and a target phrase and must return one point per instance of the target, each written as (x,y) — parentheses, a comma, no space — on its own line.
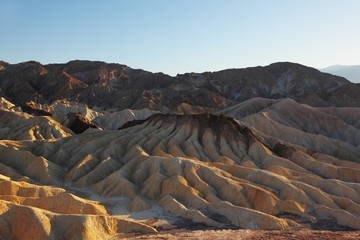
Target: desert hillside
(71,171)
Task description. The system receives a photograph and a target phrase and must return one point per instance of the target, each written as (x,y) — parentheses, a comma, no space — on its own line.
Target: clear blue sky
(177,36)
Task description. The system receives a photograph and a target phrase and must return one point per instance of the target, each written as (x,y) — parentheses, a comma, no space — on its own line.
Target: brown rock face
(118,86)
(221,126)
(78,123)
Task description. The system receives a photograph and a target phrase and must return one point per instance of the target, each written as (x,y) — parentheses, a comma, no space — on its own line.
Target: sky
(178,36)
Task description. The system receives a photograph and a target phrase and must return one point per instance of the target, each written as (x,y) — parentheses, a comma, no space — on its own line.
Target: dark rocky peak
(85,65)
(89,72)
(281,67)
(222,127)
(3,65)
(99,73)
(301,71)
(78,123)
(30,67)
(26,75)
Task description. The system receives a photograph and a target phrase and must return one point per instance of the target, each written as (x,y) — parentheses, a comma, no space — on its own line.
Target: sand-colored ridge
(22,126)
(24,222)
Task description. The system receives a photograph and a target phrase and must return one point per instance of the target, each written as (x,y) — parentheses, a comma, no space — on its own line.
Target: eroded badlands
(268,164)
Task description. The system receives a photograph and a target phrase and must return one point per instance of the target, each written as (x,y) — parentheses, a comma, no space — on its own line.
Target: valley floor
(248,234)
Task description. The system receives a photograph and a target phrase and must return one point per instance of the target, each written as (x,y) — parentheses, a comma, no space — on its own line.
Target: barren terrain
(258,169)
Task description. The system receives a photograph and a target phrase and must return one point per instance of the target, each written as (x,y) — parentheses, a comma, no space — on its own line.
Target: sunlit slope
(192,166)
(21,126)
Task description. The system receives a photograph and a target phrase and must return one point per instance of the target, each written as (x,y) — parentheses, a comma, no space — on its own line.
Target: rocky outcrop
(77,122)
(61,108)
(5,104)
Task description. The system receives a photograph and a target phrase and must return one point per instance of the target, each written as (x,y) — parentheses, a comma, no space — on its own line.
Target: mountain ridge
(350,72)
(88,82)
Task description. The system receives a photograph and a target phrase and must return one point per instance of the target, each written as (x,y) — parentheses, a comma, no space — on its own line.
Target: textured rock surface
(115,86)
(192,166)
(22,126)
(268,164)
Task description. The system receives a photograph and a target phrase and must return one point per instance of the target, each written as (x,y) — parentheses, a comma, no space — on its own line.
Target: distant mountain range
(115,86)
(351,73)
